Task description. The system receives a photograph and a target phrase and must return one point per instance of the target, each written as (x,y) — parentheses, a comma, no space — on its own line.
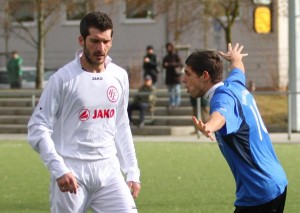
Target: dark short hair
(148,77)
(149,47)
(98,20)
(207,60)
(169,44)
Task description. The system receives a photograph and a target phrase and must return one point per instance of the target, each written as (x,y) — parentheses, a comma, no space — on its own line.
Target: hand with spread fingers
(234,55)
(202,128)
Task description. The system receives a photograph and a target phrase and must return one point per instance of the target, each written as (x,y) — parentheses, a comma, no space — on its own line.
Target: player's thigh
(114,197)
(67,202)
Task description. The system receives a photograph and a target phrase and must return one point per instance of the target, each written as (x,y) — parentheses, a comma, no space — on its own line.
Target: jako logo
(84,114)
(103,113)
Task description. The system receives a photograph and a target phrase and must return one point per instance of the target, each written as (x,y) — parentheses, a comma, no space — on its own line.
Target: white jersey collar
(210,93)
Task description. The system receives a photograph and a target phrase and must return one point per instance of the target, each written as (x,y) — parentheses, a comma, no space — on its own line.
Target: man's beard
(89,57)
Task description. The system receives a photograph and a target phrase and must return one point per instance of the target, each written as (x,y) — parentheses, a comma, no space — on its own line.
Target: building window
(136,9)
(22,10)
(139,10)
(75,9)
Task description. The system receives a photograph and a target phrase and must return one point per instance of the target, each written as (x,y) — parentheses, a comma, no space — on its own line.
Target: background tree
(4,20)
(181,15)
(17,23)
(45,13)
(224,12)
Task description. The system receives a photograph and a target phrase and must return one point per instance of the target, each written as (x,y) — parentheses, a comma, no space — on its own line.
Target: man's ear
(81,41)
(205,75)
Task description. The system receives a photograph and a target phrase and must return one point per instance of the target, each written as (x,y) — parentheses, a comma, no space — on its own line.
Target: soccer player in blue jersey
(261,182)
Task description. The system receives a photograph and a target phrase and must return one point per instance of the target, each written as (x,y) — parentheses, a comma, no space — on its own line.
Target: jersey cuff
(133,174)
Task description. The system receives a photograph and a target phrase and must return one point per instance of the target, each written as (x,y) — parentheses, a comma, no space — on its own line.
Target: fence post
(33,101)
(198,113)
(289,115)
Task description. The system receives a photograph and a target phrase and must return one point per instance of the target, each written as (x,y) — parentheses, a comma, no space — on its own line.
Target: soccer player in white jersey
(243,139)
(81,130)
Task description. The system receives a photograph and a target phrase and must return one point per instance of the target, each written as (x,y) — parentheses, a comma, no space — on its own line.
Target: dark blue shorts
(274,206)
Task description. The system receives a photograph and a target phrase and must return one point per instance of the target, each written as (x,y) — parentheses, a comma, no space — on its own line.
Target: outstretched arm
(234,55)
(215,122)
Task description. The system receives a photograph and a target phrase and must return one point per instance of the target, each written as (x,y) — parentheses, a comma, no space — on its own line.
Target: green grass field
(176,177)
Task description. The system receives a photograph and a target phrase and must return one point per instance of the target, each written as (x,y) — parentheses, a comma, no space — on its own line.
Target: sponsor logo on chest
(85,114)
(108,111)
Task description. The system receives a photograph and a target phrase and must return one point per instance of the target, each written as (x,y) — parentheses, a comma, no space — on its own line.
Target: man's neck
(210,93)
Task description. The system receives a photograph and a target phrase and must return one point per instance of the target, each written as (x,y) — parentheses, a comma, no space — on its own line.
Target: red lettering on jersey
(112,112)
(106,111)
(103,113)
(100,114)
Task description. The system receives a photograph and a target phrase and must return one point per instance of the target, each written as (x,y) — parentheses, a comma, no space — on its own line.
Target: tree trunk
(228,38)
(7,26)
(41,45)
(177,32)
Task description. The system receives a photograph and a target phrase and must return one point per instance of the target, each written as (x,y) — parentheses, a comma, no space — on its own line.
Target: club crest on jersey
(112,94)
(84,114)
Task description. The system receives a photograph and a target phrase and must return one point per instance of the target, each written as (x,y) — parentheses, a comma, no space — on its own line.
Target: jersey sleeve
(226,105)
(40,128)
(123,139)
(236,75)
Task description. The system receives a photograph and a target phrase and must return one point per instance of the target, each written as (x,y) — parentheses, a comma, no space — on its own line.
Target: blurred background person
(14,70)
(150,64)
(172,64)
(143,100)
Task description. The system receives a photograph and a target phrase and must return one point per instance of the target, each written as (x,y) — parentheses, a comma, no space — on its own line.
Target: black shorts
(273,206)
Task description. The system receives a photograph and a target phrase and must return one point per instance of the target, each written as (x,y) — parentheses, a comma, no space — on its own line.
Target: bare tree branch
(31,42)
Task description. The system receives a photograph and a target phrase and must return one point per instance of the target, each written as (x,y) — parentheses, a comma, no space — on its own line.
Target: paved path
(276,138)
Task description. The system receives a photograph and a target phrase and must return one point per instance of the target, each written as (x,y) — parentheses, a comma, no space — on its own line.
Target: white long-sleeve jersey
(83,115)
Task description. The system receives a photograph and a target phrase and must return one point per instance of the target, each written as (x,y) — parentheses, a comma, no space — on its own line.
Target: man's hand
(68,183)
(215,122)
(134,188)
(202,127)
(234,55)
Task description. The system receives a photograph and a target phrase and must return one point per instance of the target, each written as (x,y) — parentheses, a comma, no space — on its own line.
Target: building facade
(141,23)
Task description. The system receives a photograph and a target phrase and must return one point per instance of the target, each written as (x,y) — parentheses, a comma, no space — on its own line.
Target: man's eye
(107,41)
(94,41)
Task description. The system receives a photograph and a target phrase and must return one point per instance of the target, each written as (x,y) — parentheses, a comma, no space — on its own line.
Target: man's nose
(101,46)
(184,78)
